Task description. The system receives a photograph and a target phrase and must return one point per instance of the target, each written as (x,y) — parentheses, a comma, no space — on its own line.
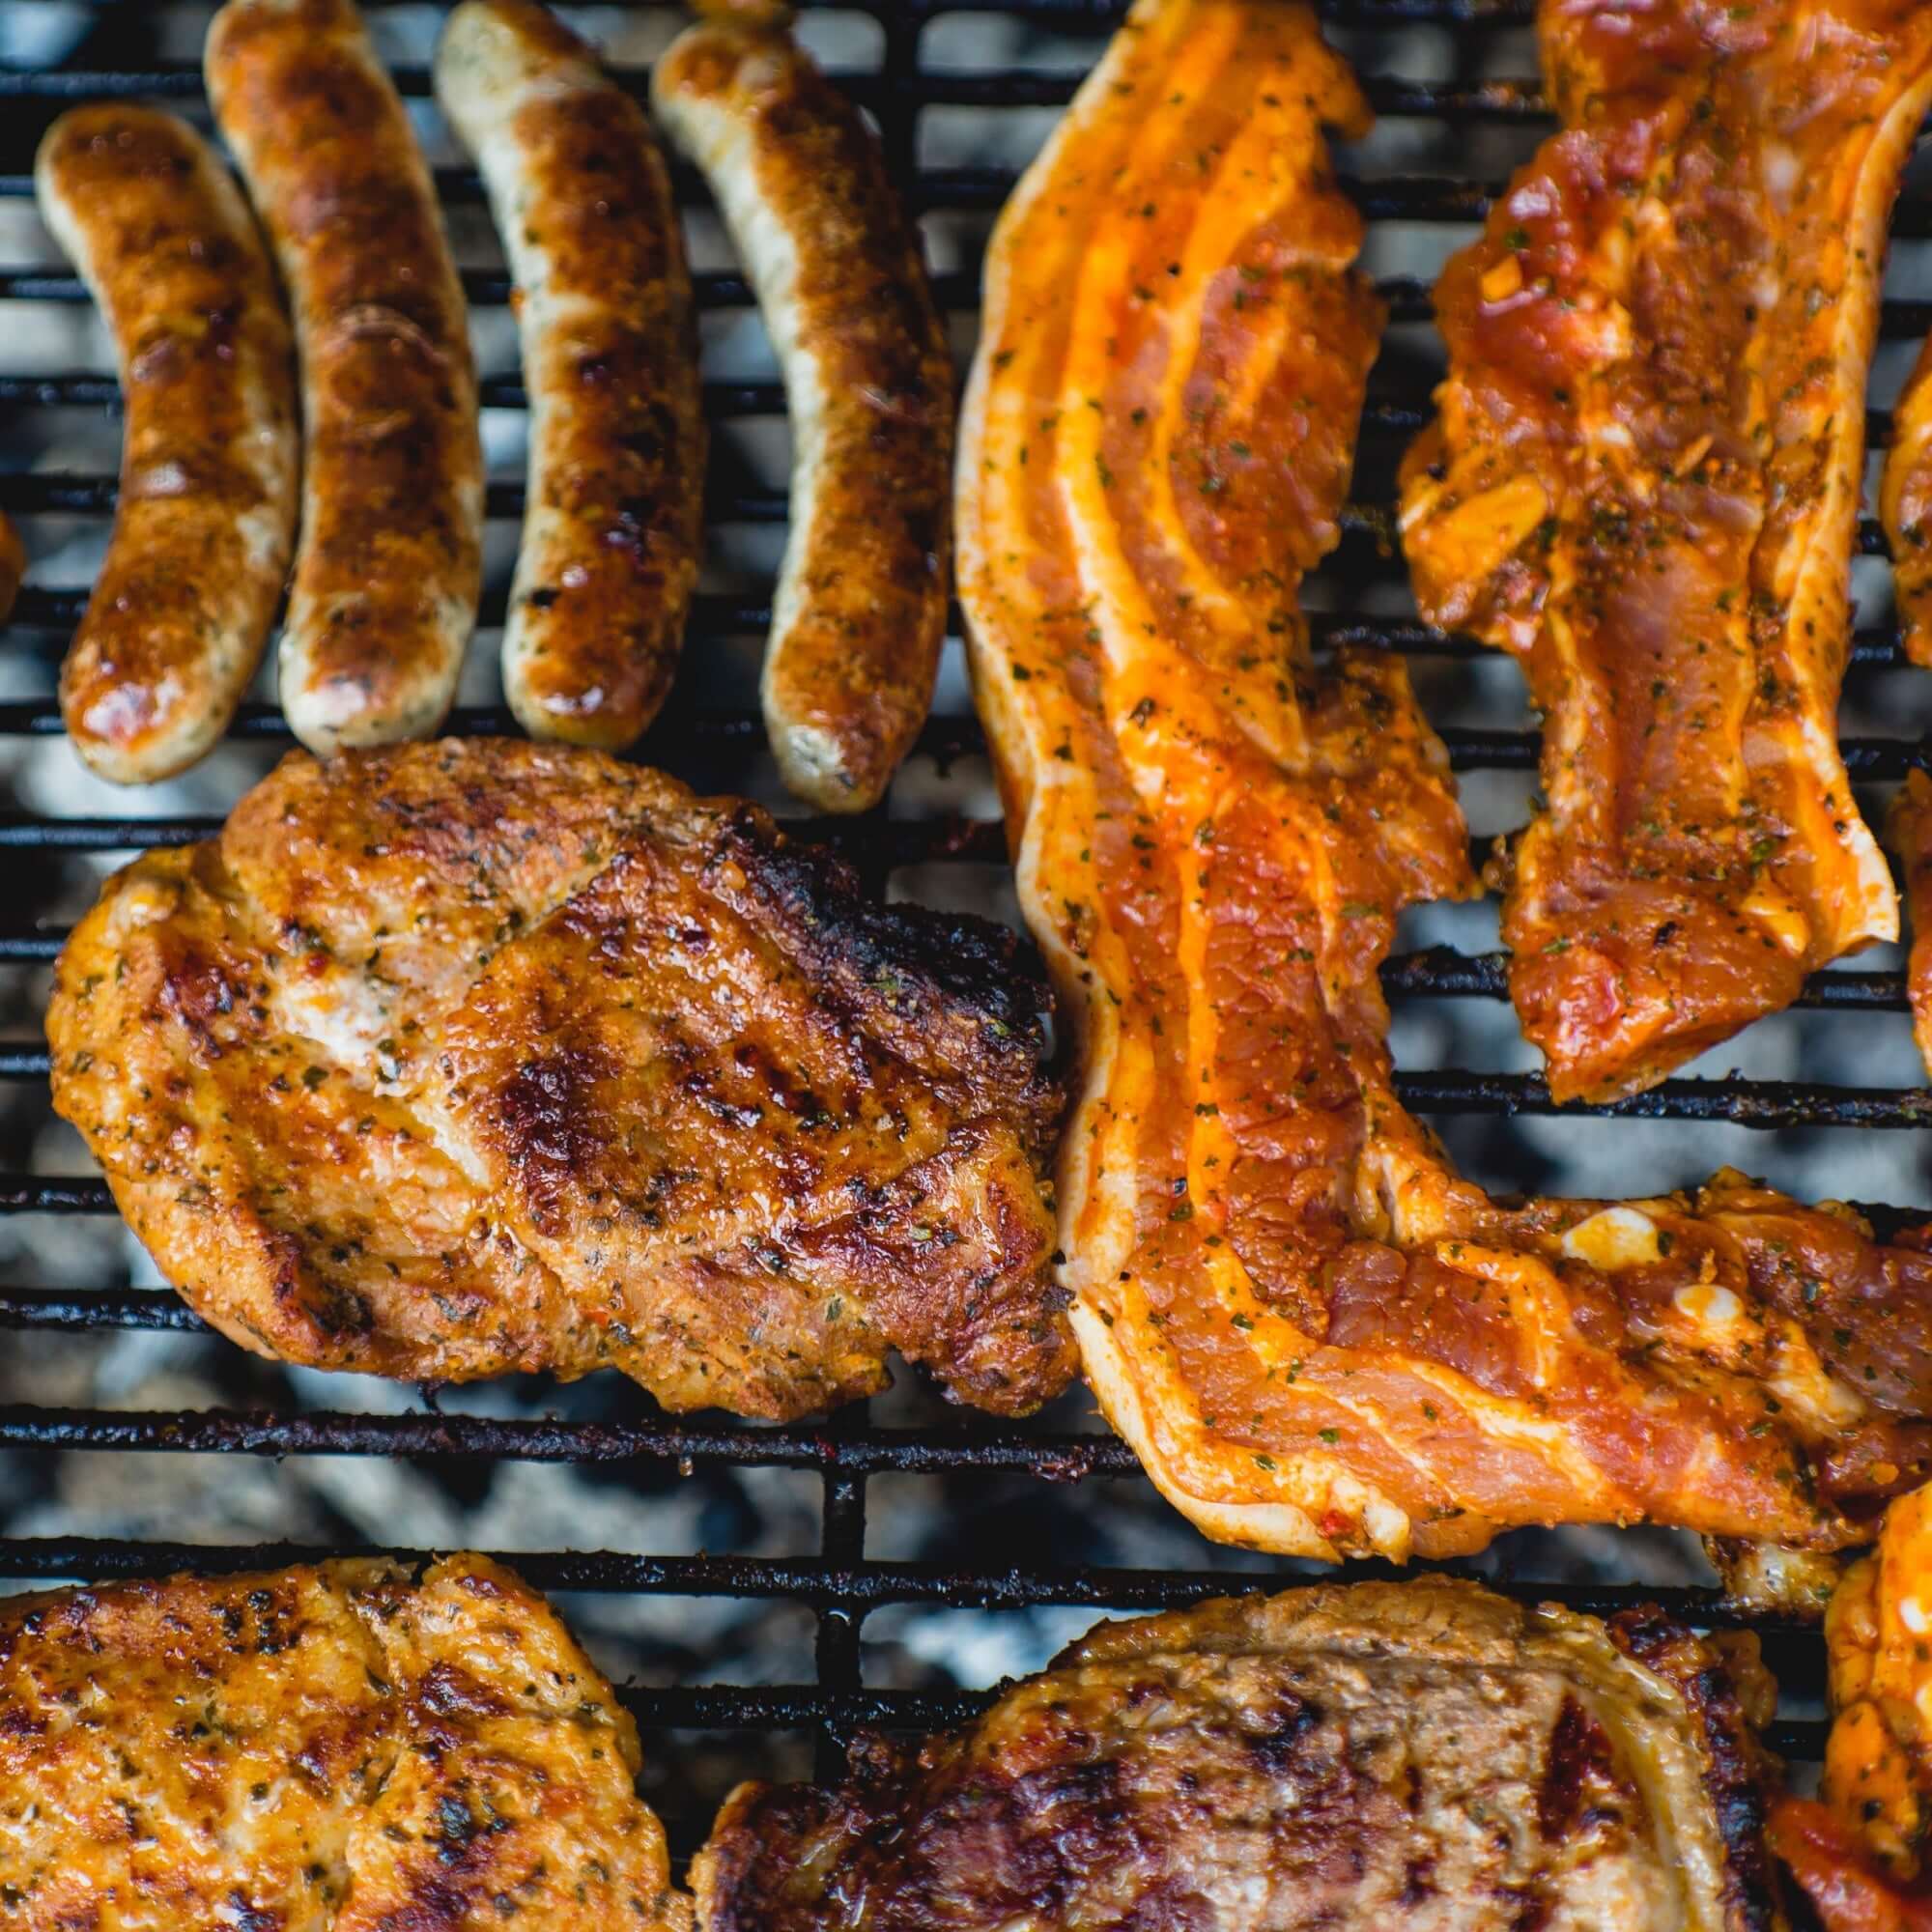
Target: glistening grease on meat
(859,613)
(615,525)
(1317,1337)
(1413,1755)
(1904,507)
(389,563)
(1643,481)
(1860,1849)
(340,1749)
(464,1058)
(205,519)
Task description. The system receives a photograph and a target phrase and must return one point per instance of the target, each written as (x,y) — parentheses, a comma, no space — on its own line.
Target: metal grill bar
(50,492)
(1901,318)
(855,1586)
(1771,1105)
(987,87)
(1431,973)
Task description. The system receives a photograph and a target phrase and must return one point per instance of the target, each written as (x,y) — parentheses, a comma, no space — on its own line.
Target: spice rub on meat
(1355,1760)
(328,1749)
(1859,1848)
(460,1058)
(1643,481)
(1318,1337)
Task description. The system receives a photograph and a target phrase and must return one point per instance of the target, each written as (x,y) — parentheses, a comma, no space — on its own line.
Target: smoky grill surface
(768,1591)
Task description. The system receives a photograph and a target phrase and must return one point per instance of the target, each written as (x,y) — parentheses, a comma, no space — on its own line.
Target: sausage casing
(206,515)
(388,568)
(612,536)
(859,611)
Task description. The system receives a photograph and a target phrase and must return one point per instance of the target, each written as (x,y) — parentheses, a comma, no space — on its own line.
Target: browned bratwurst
(389,564)
(860,612)
(206,517)
(583,202)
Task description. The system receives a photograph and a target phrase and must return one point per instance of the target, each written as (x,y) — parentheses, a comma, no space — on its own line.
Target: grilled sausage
(582,201)
(207,511)
(388,567)
(860,612)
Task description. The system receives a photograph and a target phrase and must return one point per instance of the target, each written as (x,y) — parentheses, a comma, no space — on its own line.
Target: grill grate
(842,1585)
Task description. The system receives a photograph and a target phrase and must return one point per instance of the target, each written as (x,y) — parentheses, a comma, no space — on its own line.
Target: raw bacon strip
(1643,481)
(1318,1339)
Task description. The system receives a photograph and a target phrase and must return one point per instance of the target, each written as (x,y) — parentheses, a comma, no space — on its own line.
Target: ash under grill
(879,1569)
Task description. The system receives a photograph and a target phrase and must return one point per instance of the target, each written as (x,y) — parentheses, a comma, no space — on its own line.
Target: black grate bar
(1423,198)
(1501,99)
(867,1451)
(863,1586)
(747,613)
(32,493)
(1430,972)
(60,1309)
(1407,298)
(1770,1105)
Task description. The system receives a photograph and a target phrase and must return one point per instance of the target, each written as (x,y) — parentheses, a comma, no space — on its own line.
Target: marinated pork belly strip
(335,1749)
(859,611)
(388,566)
(1905,508)
(1908,831)
(1643,481)
(12,565)
(612,536)
(206,515)
(1860,1850)
(1327,1760)
(1316,1338)
(472,1057)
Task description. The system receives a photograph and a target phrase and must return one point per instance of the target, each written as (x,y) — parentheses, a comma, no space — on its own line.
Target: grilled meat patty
(311,1748)
(460,1058)
(1417,1756)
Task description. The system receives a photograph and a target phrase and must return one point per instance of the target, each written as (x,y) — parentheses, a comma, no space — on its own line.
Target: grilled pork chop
(1645,482)
(1315,1335)
(460,1058)
(1417,1756)
(328,1749)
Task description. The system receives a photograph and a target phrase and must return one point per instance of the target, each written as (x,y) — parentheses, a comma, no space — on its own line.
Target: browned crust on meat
(343,1747)
(205,516)
(1325,1758)
(1738,1771)
(861,608)
(12,565)
(1909,832)
(480,1056)
(1904,507)
(390,565)
(614,532)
